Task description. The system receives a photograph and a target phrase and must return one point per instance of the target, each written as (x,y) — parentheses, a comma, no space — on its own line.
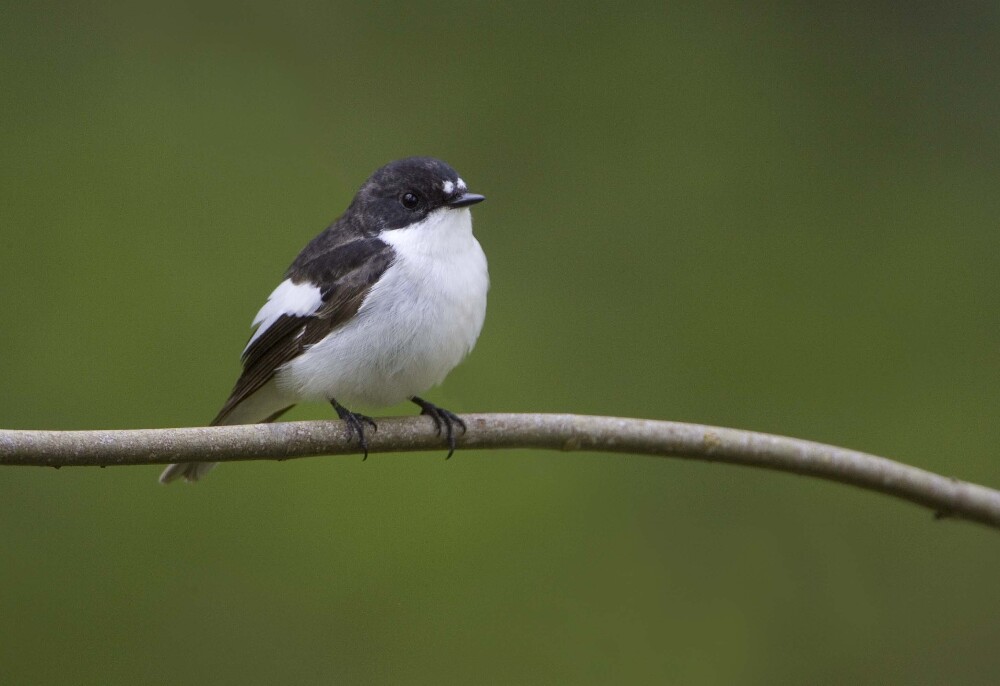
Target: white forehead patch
(448,187)
(461,185)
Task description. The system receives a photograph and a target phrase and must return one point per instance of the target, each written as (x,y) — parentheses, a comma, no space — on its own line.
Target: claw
(443,418)
(356,425)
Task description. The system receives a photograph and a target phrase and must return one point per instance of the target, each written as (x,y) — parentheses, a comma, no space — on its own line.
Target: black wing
(345,273)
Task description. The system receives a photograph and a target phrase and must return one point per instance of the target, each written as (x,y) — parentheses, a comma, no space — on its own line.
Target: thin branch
(947,497)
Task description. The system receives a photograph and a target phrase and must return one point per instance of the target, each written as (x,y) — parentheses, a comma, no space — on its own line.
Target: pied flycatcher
(376,309)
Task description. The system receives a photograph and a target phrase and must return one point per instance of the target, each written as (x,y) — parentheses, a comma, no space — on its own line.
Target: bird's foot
(355,425)
(442,419)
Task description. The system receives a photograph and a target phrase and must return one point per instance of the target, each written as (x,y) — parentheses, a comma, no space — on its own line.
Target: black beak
(465,199)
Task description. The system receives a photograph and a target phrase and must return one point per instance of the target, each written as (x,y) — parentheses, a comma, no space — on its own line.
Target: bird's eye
(409,200)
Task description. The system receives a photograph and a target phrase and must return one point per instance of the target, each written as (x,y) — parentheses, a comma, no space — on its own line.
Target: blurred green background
(770,216)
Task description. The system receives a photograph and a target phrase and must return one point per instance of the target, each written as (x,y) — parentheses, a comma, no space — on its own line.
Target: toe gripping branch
(355,425)
(443,419)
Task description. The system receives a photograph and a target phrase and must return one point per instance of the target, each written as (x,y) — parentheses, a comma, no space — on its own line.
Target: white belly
(417,323)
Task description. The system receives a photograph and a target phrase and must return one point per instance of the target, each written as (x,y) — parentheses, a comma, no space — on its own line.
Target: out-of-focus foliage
(771,217)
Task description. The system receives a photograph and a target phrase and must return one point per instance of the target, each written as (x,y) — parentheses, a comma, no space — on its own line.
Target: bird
(375,310)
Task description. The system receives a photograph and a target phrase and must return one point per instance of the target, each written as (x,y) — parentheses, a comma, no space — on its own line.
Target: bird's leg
(442,417)
(355,424)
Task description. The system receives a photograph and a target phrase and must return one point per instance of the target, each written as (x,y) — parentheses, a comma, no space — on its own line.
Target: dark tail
(243,413)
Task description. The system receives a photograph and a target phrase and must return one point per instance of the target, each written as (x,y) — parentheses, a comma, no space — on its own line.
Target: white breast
(417,323)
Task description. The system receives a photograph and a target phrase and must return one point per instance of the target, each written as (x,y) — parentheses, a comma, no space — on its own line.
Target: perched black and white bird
(374,311)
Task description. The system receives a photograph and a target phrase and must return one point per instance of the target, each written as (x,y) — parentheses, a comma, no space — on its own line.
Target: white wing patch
(296,299)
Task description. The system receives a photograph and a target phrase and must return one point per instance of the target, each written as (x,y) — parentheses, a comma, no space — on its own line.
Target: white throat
(443,232)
